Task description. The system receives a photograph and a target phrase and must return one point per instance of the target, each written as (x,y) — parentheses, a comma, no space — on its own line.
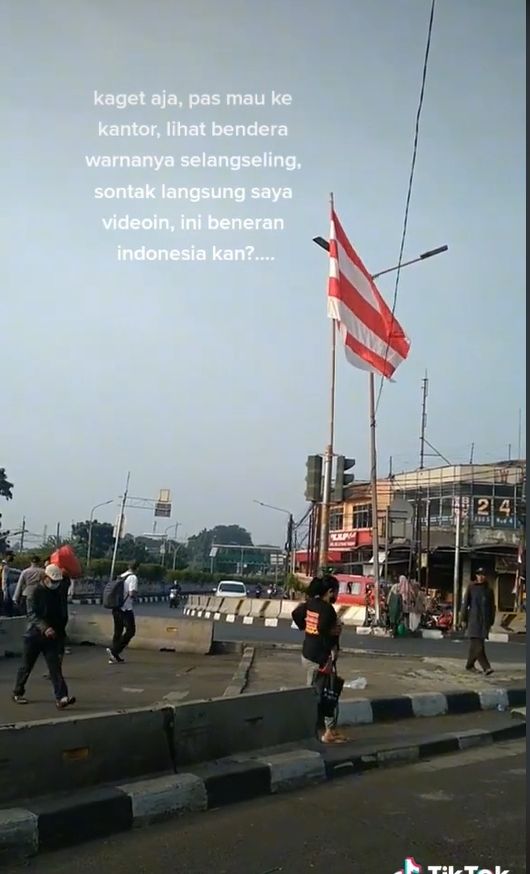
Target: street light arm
(320,241)
(271,507)
(103,504)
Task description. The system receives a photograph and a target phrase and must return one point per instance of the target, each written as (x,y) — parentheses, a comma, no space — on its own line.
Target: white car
(230,589)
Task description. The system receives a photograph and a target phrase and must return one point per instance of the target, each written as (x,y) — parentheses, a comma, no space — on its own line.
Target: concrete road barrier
(11,633)
(222,726)
(67,754)
(75,752)
(178,635)
(286,609)
(272,610)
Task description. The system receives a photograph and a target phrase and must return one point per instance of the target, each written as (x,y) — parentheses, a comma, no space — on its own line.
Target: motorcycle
(174,598)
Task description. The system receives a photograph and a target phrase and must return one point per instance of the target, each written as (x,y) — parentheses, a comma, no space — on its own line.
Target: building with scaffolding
(464,516)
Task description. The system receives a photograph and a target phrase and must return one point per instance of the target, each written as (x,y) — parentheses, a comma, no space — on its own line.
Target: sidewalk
(385,675)
(146,678)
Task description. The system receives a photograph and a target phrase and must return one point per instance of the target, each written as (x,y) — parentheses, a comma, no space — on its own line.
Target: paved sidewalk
(385,675)
(146,677)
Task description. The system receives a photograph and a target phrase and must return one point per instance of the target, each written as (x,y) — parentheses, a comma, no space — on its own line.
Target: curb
(239,681)
(234,618)
(366,711)
(98,813)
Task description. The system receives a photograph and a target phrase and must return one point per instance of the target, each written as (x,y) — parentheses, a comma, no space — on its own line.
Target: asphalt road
(461,810)
(499,652)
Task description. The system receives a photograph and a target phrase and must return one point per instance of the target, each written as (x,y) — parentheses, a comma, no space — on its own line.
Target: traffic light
(313,478)
(342,479)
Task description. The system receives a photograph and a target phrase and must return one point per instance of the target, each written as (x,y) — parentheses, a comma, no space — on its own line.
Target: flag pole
(373,484)
(328,455)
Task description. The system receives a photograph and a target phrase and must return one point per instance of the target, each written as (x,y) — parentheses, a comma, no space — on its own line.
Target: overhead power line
(409,190)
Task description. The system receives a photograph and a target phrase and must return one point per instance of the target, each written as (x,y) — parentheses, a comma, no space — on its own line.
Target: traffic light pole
(328,460)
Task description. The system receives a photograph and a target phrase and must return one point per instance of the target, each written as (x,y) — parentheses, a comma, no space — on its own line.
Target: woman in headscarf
(395,608)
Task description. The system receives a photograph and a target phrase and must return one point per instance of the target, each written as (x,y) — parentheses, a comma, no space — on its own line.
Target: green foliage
(130,550)
(292,582)
(102,538)
(200,544)
(6,488)
(6,491)
(100,568)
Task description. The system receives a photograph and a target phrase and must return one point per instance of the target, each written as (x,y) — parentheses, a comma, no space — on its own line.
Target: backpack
(114,593)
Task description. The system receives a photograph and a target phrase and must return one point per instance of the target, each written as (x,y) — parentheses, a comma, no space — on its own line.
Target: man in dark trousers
(478,615)
(44,636)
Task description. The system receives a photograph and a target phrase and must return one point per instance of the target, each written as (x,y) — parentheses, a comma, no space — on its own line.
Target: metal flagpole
(328,460)
(373,483)
(328,454)
(119,527)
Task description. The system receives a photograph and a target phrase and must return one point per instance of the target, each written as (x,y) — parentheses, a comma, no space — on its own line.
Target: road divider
(160,633)
(77,752)
(11,633)
(48,824)
(265,616)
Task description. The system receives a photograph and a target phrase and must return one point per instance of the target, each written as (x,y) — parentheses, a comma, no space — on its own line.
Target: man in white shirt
(124,623)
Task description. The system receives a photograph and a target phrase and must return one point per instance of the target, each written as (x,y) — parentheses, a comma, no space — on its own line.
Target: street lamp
(320,241)
(290,527)
(174,525)
(90,525)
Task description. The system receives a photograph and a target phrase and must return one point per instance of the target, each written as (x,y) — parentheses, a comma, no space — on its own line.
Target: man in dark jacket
(45,635)
(478,615)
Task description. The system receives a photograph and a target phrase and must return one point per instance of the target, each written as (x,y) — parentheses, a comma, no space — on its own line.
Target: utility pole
(22,533)
(456,568)
(373,482)
(119,527)
(425,389)
(471,454)
(419,495)
(58,534)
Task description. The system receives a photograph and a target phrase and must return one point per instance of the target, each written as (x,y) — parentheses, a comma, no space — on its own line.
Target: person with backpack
(119,596)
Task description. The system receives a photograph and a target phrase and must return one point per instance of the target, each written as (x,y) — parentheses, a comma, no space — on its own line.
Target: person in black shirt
(318,619)
(45,635)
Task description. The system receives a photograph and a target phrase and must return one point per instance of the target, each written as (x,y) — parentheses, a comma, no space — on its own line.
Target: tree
(6,488)
(6,491)
(199,546)
(130,550)
(102,538)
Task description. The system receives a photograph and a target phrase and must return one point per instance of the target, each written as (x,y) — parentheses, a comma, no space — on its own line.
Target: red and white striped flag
(373,339)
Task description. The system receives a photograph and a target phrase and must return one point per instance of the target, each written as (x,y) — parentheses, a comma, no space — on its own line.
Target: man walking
(28,579)
(124,622)
(44,636)
(478,615)
(8,583)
